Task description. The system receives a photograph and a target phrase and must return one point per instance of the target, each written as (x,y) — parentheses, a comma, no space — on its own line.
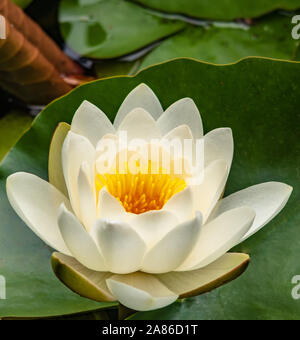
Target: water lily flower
(142,239)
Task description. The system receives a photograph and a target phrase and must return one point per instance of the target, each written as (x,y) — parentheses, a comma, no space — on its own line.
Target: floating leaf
(221,9)
(111,28)
(31,64)
(222,44)
(259,99)
(217,42)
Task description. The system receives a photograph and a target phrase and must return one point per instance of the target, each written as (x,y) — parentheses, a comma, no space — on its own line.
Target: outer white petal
(218,144)
(196,282)
(121,246)
(76,150)
(139,124)
(210,190)
(85,282)
(184,111)
(86,195)
(55,171)
(107,138)
(153,225)
(267,199)
(173,249)
(106,150)
(142,96)
(109,207)
(218,236)
(177,139)
(140,292)
(181,205)
(37,203)
(91,122)
(78,240)
(181,132)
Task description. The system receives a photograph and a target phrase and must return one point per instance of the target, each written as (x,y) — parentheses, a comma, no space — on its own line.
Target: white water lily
(144,240)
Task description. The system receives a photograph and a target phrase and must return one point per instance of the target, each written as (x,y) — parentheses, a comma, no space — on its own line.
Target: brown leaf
(32,66)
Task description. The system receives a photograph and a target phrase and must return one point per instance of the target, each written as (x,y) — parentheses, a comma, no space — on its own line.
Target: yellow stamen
(140,192)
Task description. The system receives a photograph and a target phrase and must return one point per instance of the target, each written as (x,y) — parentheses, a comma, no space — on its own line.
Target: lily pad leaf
(221,9)
(222,44)
(111,28)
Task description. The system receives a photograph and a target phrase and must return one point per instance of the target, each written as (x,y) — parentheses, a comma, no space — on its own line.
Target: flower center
(139,193)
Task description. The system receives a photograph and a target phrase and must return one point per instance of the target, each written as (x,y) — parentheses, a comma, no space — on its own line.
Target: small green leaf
(111,28)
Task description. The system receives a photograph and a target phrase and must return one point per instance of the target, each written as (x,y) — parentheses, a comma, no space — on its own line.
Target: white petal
(91,122)
(140,292)
(87,198)
(267,199)
(210,190)
(195,282)
(153,225)
(173,249)
(78,240)
(181,205)
(181,132)
(142,96)
(55,171)
(37,203)
(107,145)
(106,156)
(109,207)
(85,282)
(218,236)
(76,150)
(184,111)
(139,124)
(218,144)
(121,246)
(177,141)
(157,154)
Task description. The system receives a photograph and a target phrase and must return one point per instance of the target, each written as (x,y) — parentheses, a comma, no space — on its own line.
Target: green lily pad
(12,127)
(259,99)
(222,44)
(221,9)
(111,28)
